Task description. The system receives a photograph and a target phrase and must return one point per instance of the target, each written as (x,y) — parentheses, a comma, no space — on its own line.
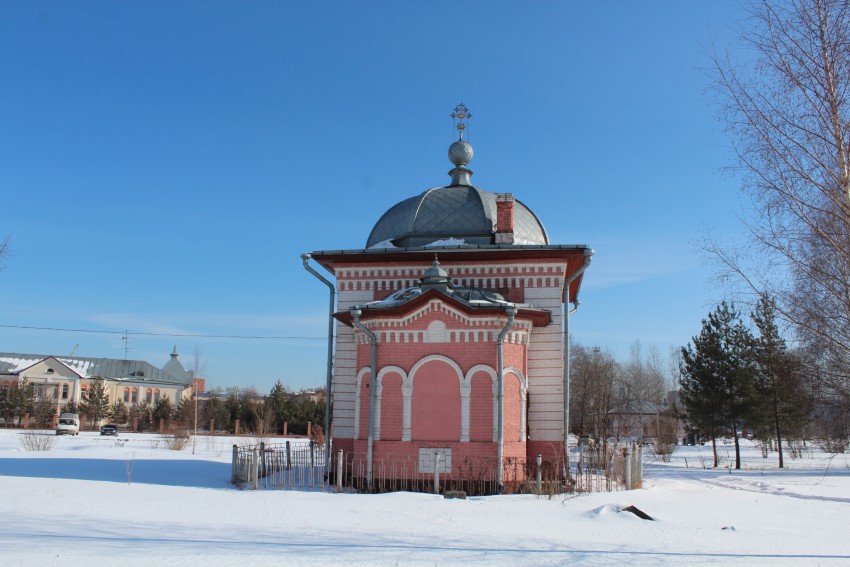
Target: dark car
(109,429)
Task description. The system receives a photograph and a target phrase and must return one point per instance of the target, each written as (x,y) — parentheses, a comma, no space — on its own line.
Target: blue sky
(164,164)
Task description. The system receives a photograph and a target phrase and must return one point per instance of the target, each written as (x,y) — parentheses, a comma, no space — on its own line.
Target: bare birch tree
(787,111)
(199,369)
(593,373)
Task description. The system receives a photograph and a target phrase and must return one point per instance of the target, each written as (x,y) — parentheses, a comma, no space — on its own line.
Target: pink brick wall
(481,408)
(435,409)
(391,407)
(364,407)
(513,405)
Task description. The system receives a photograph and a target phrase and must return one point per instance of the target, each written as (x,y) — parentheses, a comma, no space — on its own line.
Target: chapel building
(454,288)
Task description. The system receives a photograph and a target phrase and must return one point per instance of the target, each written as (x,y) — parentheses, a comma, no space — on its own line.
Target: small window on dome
(50,371)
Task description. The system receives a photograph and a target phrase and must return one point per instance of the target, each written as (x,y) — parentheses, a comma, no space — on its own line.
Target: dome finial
(436,277)
(460,152)
(461,116)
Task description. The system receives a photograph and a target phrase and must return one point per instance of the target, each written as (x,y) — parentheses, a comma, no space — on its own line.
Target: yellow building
(66,379)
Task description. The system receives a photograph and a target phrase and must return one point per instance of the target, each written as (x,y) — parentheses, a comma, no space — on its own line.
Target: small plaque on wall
(428,455)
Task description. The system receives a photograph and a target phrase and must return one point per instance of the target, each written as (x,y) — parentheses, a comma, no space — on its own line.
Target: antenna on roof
(74,350)
(126,339)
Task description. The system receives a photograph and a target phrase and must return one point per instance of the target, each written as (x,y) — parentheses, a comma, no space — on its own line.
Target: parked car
(109,429)
(69,423)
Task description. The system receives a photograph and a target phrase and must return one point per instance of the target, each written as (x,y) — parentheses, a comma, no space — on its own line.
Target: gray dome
(460,153)
(459,211)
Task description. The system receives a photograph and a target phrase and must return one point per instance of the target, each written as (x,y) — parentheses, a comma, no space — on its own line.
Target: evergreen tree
(70,407)
(7,406)
(118,412)
(785,402)
(43,413)
(718,374)
(163,411)
(274,403)
(23,399)
(214,409)
(185,410)
(95,405)
(142,414)
(233,407)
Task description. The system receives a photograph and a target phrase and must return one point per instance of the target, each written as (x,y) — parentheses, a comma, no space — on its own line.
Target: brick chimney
(504,218)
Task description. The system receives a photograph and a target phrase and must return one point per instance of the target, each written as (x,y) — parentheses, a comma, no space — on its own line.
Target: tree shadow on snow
(201,474)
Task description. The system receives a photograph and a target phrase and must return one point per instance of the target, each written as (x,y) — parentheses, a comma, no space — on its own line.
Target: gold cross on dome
(461,116)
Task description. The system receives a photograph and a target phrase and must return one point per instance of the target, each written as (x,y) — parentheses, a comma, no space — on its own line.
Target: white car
(69,424)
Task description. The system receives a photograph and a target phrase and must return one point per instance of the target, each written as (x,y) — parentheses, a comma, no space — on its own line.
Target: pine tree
(43,413)
(718,374)
(785,402)
(23,399)
(118,412)
(163,411)
(7,406)
(275,403)
(95,405)
(184,411)
(141,413)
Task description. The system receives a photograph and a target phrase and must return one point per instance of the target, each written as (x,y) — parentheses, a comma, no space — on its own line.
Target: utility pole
(195,397)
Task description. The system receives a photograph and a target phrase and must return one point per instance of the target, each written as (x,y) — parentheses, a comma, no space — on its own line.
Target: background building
(66,379)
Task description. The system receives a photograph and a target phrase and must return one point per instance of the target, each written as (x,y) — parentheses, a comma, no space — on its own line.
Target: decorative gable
(437,321)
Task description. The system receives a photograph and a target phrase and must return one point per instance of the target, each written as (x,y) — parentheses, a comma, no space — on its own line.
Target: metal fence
(605,468)
(302,467)
(287,466)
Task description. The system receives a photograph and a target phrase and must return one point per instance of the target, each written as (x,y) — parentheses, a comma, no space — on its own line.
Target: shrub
(177,438)
(833,444)
(35,440)
(665,443)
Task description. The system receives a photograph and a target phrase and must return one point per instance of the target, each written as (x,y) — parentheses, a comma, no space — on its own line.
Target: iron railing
(302,466)
(290,466)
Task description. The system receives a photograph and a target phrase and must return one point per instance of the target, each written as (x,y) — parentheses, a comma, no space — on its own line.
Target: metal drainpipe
(306,259)
(587,258)
(511,311)
(373,387)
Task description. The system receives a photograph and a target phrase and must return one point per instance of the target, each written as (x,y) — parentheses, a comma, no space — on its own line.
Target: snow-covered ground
(131,501)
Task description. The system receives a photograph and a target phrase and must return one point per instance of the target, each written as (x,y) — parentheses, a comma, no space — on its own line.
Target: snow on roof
(13,364)
(383,244)
(81,367)
(113,369)
(447,242)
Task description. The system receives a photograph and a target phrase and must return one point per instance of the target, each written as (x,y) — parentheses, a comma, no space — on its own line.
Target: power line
(147,334)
